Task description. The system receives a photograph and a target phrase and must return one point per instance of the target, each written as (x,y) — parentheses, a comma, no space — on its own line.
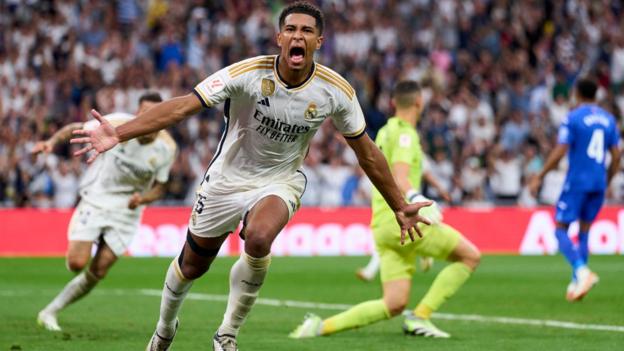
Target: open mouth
(297,53)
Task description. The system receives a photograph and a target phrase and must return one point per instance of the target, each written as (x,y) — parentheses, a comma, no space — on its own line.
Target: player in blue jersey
(585,135)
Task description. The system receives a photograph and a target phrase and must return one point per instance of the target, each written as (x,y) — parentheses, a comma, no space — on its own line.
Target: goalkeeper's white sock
(72,292)
(246,278)
(173,294)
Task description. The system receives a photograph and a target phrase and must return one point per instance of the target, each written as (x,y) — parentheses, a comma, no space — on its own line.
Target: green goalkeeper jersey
(399,142)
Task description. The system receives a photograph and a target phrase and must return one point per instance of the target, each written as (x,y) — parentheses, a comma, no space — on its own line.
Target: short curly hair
(305,8)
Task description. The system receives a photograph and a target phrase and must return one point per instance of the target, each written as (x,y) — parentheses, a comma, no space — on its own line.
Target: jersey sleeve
(115,119)
(229,81)
(348,116)
(162,173)
(564,135)
(216,88)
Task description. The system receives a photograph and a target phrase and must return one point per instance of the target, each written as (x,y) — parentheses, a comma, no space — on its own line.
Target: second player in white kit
(113,193)
(109,184)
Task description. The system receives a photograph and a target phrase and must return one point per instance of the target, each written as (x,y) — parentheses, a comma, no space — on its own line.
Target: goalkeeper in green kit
(399,142)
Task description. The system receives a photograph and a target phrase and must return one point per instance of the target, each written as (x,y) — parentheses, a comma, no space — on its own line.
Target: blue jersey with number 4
(589,131)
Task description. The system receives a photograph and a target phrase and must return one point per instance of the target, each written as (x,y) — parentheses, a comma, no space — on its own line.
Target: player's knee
(192,270)
(472,259)
(258,241)
(396,306)
(76,264)
(98,272)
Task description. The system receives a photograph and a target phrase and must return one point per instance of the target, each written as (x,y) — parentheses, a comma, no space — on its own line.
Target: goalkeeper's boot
(586,280)
(413,325)
(159,343)
(224,342)
(48,321)
(310,327)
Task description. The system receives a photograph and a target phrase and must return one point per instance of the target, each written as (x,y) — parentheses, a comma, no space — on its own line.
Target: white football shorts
(218,211)
(90,223)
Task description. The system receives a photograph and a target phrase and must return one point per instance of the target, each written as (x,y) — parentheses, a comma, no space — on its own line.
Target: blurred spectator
(314,178)
(495,74)
(514,132)
(334,175)
(357,189)
(473,178)
(505,175)
(441,169)
(65,185)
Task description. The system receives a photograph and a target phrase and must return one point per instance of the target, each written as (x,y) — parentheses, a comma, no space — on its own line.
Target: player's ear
(279,39)
(319,42)
(418,101)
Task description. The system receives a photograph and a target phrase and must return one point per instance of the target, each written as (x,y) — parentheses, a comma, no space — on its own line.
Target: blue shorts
(581,205)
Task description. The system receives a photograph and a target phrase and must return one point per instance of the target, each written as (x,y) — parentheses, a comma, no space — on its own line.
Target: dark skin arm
(376,168)
(162,115)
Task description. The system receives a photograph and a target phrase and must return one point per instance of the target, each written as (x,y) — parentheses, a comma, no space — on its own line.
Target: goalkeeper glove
(432,212)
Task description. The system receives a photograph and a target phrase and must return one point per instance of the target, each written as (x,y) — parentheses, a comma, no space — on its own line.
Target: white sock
(246,278)
(372,267)
(173,294)
(73,291)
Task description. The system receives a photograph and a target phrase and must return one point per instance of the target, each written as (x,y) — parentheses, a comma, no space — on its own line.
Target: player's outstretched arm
(162,115)
(155,193)
(61,135)
(376,168)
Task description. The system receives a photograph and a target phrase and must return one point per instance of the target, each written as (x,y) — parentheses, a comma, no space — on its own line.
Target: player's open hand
(42,146)
(135,201)
(101,139)
(409,218)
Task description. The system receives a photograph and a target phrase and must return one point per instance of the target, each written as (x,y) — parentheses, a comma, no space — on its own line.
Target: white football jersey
(269,124)
(125,169)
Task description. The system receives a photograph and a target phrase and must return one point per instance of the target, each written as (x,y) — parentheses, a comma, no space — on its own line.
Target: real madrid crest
(310,112)
(268,87)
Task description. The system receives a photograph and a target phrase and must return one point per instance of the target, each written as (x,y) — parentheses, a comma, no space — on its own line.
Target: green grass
(511,286)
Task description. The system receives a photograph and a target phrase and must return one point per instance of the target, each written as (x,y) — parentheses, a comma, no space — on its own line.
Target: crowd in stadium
(497,77)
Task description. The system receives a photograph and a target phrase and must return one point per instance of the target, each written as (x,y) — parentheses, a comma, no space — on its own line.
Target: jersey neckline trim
(299,86)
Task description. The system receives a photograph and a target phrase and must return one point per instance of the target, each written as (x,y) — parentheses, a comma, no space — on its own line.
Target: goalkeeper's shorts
(399,261)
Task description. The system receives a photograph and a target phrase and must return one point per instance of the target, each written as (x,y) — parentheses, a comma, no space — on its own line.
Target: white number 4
(595,149)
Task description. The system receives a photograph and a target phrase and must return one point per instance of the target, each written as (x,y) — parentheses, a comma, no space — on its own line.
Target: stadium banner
(318,232)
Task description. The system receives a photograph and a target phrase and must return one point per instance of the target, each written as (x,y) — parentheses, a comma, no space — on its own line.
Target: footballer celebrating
(273,105)
(113,192)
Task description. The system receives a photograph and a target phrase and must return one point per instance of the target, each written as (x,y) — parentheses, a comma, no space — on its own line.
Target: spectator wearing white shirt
(505,176)
(65,183)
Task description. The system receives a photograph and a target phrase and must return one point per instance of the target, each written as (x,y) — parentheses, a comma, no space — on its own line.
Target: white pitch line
(339,307)
(448,316)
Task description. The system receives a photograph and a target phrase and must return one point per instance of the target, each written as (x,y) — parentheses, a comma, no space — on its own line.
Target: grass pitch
(121,315)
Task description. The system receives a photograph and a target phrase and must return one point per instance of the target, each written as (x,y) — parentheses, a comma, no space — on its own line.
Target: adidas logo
(265,102)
